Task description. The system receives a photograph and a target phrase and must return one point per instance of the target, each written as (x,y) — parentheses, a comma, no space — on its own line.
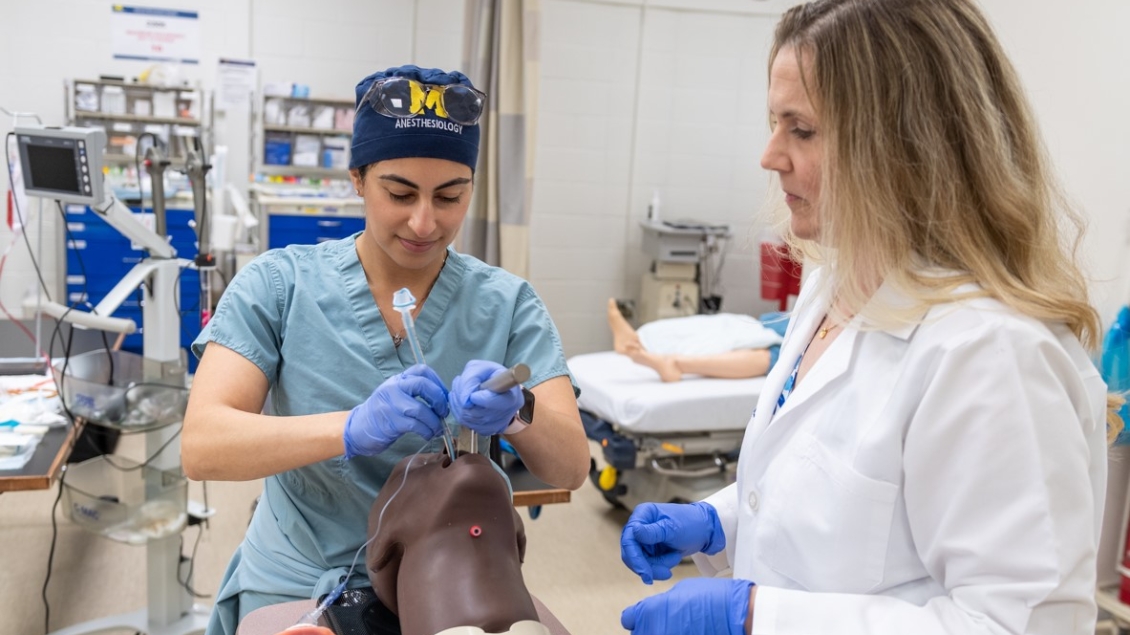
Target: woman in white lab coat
(929,454)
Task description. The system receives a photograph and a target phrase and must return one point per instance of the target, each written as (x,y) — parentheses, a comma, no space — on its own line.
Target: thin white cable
(311,617)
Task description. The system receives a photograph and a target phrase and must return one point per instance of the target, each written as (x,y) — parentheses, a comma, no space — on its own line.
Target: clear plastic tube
(404,302)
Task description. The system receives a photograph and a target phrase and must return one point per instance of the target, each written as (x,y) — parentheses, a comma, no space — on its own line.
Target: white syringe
(404,302)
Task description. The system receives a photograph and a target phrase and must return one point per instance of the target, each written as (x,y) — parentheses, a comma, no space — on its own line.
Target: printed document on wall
(236,81)
(162,35)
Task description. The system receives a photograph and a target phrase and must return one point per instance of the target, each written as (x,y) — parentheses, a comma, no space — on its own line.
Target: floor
(572,559)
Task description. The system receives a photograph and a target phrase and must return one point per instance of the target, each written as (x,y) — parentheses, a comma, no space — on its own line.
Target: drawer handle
(329,223)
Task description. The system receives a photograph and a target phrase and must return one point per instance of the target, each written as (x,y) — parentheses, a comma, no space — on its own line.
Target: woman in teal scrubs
(312,328)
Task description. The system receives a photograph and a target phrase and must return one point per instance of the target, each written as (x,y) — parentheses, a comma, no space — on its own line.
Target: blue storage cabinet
(106,255)
(309,229)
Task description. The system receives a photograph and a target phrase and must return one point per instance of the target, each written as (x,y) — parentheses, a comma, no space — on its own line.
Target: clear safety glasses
(404,98)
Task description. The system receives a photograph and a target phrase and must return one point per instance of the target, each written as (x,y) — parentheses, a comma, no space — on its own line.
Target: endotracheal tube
(404,302)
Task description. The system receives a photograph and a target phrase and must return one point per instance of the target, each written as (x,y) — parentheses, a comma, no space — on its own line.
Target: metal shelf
(114,157)
(313,100)
(179,121)
(150,87)
(301,130)
(299,170)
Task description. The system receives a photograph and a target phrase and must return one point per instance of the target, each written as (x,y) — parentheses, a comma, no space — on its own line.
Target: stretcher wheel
(610,495)
(608,478)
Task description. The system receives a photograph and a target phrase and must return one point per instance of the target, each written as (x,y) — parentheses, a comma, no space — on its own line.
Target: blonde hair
(934,173)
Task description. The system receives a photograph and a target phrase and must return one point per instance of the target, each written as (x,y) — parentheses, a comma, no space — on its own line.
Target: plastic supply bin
(118,498)
(122,389)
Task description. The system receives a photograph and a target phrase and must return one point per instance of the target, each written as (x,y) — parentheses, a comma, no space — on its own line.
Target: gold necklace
(823,331)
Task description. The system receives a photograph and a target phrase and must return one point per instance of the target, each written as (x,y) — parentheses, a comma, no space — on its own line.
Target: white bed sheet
(632,397)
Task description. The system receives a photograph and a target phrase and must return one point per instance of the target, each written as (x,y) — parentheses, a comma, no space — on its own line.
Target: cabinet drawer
(322,224)
(282,239)
(103,263)
(309,230)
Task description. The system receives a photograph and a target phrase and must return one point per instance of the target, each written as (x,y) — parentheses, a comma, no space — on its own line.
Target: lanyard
(789,383)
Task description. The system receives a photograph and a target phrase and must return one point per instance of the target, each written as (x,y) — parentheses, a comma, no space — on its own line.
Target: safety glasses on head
(403,98)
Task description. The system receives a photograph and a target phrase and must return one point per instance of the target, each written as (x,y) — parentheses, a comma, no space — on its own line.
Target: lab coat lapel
(800,332)
(831,365)
(837,358)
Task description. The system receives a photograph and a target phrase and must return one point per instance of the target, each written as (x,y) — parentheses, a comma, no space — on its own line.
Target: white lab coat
(946,478)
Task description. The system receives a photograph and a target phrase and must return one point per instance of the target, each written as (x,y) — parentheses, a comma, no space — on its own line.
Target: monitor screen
(52,168)
(61,163)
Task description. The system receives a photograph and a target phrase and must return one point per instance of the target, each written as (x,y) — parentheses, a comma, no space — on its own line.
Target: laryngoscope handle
(469,439)
(505,381)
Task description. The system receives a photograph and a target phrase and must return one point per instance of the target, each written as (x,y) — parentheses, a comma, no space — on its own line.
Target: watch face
(527,411)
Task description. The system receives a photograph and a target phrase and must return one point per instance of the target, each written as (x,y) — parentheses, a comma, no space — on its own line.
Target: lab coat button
(753,500)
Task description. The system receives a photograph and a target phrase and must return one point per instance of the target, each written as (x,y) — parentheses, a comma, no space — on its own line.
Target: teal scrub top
(306,317)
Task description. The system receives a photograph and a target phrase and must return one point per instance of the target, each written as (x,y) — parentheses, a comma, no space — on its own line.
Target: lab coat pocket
(829,525)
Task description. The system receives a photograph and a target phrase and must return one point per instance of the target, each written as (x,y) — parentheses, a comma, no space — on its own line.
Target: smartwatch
(525,415)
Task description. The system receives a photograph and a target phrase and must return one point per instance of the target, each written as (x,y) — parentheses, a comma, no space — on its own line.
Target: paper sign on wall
(236,82)
(163,35)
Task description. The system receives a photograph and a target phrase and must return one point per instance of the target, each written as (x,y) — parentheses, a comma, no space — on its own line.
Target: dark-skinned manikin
(450,547)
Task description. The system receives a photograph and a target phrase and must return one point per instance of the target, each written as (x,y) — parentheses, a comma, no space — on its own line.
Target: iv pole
(170,609)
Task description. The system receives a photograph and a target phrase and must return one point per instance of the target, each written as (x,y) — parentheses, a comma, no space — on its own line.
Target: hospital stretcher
(661,442)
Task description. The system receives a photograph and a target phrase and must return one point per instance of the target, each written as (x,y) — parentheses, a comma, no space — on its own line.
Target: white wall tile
(580,231)
(274,35)
(431,14)
(439,48)
(570,164)
(587,60)
(554,197)
(568,22)
(579,263)
(560,130)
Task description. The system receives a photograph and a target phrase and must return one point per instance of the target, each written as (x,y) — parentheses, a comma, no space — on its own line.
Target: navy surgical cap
(377,137)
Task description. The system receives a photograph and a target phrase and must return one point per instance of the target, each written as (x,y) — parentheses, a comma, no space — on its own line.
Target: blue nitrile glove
(413,401)
(714,606)
(484,411)
(659,535)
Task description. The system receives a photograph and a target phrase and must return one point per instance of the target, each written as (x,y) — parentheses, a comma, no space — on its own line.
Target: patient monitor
(63,163)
